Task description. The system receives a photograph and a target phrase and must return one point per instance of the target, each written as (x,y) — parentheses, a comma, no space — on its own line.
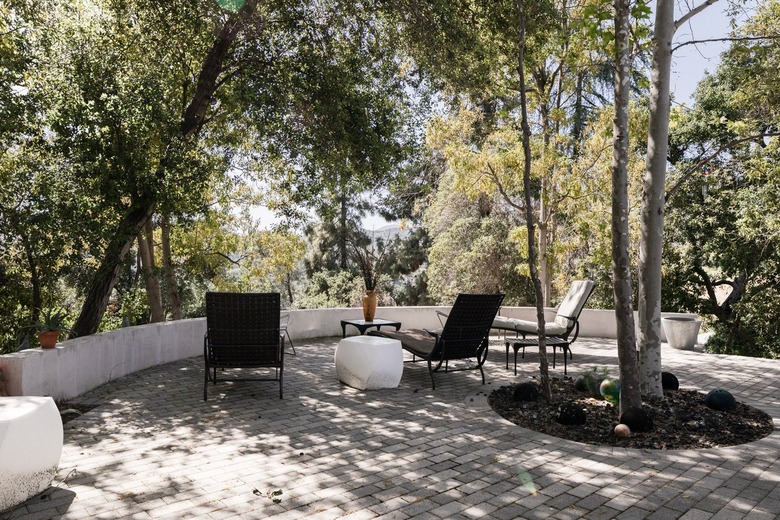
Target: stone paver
(154,449)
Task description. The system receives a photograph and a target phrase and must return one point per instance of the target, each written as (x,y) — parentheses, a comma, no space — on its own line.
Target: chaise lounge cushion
(529,327)
(418,342)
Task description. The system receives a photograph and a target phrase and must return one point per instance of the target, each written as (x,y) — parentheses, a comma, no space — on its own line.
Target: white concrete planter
(681,332)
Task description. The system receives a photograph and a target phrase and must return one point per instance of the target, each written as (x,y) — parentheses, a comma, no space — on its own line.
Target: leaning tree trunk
(35,279)
(652,224)
(104,279)
(621,265)
(193,119)
(174,297)
(544,375)
(151,280)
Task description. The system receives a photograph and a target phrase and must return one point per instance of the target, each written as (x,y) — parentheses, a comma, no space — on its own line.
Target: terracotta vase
(49,338)
(369,305)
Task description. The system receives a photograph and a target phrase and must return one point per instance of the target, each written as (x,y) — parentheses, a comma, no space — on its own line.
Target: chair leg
(206,385)
(430,371)
(291,343)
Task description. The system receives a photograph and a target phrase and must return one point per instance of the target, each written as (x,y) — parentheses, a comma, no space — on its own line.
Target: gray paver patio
(154,449)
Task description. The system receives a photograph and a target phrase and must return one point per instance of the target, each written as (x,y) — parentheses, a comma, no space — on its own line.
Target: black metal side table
(363,325)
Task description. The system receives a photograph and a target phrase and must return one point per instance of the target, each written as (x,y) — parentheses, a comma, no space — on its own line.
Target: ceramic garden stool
(369,362)
(30,447)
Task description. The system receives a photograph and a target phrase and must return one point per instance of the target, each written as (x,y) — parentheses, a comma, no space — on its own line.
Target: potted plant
(50,324)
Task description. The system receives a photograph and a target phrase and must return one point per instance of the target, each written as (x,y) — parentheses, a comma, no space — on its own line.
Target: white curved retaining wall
(76,366)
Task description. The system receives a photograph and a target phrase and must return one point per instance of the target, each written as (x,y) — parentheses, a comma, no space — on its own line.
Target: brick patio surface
(152,448)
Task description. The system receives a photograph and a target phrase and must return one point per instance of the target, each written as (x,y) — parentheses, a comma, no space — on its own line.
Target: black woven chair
(464,336)
(242,331)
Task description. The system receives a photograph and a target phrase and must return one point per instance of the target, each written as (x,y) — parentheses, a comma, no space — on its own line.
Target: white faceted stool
(369,362)
(30,447)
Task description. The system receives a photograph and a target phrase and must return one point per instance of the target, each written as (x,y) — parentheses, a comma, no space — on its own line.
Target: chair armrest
(440,314)
(433,333)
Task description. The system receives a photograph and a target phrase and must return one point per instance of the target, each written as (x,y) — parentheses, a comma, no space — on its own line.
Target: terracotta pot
(49,338)
(369,305)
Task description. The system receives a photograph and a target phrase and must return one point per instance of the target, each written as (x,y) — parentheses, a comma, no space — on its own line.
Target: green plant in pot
(50,324)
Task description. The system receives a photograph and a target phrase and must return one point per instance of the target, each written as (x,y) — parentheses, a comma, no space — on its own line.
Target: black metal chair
(464,336)
(242,331)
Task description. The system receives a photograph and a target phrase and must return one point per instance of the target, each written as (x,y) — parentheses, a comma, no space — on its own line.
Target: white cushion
(571,305)
(529,327)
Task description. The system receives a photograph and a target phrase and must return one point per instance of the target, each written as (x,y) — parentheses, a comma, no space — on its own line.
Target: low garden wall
(76,366)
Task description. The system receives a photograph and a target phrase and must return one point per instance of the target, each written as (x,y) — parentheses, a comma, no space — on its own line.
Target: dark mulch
(681,420)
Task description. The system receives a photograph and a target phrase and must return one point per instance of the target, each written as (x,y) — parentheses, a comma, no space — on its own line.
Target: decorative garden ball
(571,414)
(669,381)
(526,392)
(622,431)
(610,390)
(720,400)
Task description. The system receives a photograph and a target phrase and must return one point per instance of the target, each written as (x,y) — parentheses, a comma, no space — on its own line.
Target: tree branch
(729,39)
(702,161)
(501,189)
(693,12)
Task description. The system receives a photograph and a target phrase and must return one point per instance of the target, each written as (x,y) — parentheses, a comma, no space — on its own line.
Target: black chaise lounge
(464,336)
(242,331)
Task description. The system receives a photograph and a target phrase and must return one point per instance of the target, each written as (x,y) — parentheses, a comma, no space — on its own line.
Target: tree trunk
(544,376)
(104,279)
(193,119)
(288,285)
(35,279)
(343,254)
(151,280)
(174,298)
(621,265)
(545,265)
(654,182)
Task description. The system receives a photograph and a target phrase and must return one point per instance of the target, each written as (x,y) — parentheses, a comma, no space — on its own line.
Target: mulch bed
(681,420)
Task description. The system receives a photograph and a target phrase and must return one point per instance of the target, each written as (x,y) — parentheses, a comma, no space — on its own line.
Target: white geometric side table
(369,362)
(30,447)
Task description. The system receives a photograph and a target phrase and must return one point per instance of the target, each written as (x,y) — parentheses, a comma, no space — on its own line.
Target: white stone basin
(30,447)
(369,362)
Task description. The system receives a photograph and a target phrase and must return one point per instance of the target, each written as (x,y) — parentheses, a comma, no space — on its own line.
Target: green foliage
(721,257)
(329,289)
(472,249)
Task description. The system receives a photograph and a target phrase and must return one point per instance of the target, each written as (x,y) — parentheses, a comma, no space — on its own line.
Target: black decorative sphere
(570,414)
(721,400)
(581,384)
(526,392)
(636,419)
(669,381)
